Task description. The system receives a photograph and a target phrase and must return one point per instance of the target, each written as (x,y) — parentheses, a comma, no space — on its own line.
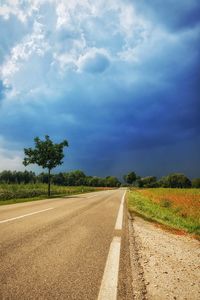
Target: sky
(119,79)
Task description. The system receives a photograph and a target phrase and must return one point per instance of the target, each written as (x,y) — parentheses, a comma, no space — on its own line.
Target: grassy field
(13,193)
(178,208)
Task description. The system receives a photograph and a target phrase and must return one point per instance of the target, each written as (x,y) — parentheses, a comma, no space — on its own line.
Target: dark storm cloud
(122,87)
(176,15)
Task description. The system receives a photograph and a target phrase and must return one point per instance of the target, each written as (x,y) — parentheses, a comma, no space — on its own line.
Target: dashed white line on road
(23,216)
(91,196)
(108,289)
(119,222)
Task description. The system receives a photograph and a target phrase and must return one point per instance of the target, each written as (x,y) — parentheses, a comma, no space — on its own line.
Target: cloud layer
(119,79)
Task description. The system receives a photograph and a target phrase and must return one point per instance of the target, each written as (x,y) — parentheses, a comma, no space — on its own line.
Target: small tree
(112,181)
(130,178)
(45,154)
(148,182)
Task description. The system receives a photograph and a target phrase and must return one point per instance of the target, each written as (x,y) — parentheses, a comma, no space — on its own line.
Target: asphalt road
(58,248)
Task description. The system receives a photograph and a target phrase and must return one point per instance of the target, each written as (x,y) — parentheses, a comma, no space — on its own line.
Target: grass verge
(10,194)
(164,214)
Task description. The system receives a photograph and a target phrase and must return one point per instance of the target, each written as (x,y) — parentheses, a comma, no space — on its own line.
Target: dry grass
(185,201)
(177,208)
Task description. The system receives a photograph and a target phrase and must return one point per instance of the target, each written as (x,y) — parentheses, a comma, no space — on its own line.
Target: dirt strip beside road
(169,264)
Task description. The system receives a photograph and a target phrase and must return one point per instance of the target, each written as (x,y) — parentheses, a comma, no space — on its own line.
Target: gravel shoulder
(167,264)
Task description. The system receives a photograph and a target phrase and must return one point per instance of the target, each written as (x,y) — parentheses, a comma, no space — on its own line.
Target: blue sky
(119,79)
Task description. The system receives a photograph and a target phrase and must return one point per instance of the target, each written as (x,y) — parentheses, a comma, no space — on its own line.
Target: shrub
(196,183)
(166,203)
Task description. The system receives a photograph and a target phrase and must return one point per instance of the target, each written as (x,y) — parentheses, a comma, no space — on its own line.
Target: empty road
(66,248)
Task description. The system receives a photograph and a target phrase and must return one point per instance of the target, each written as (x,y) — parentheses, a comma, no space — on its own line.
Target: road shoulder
(168,263)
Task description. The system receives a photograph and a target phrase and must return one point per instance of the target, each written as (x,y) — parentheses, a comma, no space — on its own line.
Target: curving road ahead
(66,248)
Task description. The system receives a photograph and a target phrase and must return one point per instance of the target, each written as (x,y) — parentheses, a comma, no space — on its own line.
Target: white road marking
(119,222)
(91,196)
(95,195)
(108,289)
(23,216)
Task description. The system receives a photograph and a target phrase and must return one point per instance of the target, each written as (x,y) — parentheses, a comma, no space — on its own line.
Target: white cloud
(11,162)
(82,36)
(128,19)
(94,61)
(69,58)
(63,16)
(20,9)
(12,8)
(74,15)
(33,43)
(71,11)
(9,159)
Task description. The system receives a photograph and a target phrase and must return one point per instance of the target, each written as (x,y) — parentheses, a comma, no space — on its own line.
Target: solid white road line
(119,222)
(23,216)
(108,289)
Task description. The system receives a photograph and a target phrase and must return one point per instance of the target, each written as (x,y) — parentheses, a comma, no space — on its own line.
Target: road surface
(66,248)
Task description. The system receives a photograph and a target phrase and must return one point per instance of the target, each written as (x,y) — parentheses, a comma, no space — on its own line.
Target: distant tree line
(18,177)
(74,178)
(77,178)
(174,180)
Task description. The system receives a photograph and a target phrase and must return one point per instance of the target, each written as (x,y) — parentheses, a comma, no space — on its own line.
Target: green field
(177,208)
(14,193)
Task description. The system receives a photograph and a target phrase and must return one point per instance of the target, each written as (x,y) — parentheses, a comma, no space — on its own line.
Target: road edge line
(119,222)
(108,289)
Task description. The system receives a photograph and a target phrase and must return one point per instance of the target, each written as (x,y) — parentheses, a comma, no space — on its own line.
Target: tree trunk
(49,183)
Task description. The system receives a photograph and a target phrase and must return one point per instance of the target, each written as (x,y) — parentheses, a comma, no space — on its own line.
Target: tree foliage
(17,177)
(175,180)
(78,177)
(196,183)
(147,182)
(130,178)
(73,178)
(46,154)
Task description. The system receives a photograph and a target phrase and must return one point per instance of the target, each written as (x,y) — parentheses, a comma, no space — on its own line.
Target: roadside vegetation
(177,208)
(173,180)
(14,193)
(17,186)
(74,178)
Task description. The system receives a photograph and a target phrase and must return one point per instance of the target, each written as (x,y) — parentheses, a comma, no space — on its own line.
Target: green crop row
(27,191)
